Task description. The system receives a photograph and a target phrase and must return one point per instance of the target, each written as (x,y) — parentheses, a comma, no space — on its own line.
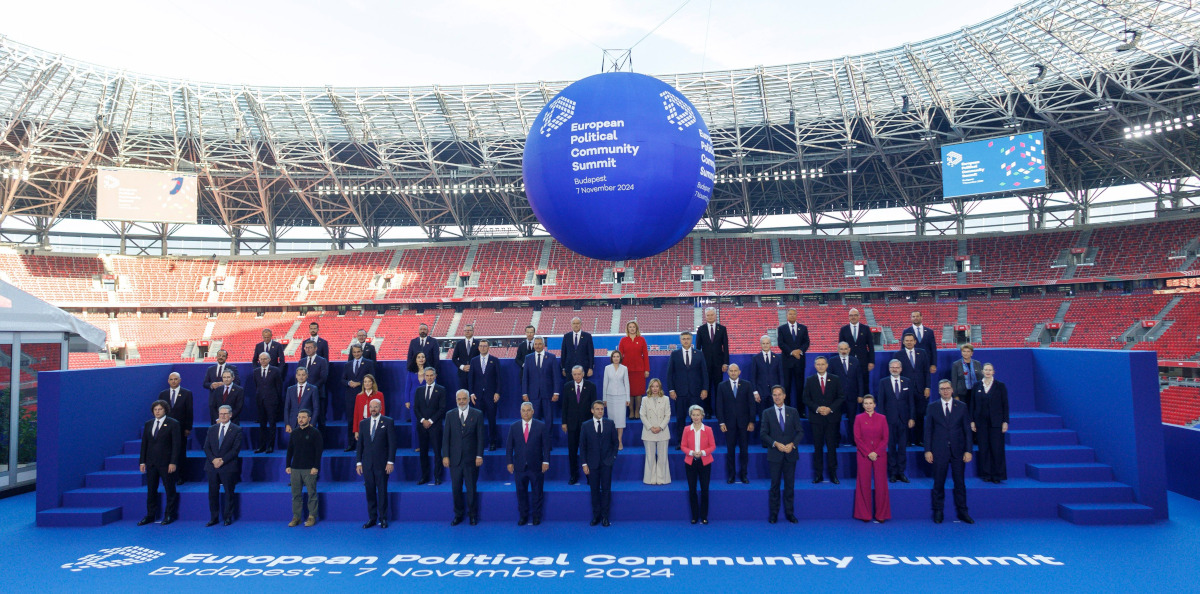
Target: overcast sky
(398,42)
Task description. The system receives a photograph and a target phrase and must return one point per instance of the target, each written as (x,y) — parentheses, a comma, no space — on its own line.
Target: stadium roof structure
(836,137)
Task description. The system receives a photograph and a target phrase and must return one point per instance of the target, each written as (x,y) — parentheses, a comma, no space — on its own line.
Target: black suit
(268,395)
(365,367)
(576,408)
(322,347)
(863,349)
(367,348)
(431,349)
(687,377)
(853,387)
(275,350)
(989,412)
(217,399)
(715,346)
(736,411)
(374,453)
(898,408)
(462,356)
(484,384)
(213,375)
(824,427)
(793,368)
(526,455)
(159,451)
(782,466)
(583,355)
(431,405)
(181,411)
(524,348)
(599,454)
(918,375)
(227,450)
(927,342)
(948,438)
(765,375)
(462,444)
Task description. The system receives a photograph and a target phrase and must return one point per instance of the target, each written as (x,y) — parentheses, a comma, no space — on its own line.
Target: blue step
(115,478)
(1034,420)
(1041,437)
(78,516)
(1094,514)
(132,446)
(1069,473)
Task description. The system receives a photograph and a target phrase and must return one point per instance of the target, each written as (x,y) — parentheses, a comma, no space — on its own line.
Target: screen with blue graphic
(1001,164)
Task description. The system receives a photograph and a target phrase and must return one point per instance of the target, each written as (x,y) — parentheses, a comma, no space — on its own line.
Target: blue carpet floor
(1156,557)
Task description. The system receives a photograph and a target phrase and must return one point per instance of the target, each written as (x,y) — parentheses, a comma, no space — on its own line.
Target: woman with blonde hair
(656,418)
(636,358)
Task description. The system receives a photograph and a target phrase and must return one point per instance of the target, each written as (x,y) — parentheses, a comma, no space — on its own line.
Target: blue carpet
(1155,557)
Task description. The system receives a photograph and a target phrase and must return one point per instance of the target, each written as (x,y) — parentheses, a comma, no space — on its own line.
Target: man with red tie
(228,393)
(823,397)
(528,452)
(300,396)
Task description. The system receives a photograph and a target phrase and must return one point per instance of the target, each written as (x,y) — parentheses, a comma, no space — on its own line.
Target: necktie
(539,360)
(428,393)
(226,397)
(845,364)
(598,429)
(356,361)
(793,327)
(576,339)
(912,358)
(779,411)
(918,334)
(173,395)
(896,385)
(422,343)
(221,437)
(526,432)
(374,423)
(946,408)
(854,332)
(734,384)
(311,362)
(822,384)
(687,357)
(157,425)
(264,372)
(483,363)
(767,356)
(300,392)
(462,418)
(220,370)
(528,345)
(468,346)
(712,332)
(578,391)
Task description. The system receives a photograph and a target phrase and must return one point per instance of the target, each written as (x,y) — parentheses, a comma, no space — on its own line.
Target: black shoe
(704,521)
(383,523)
(606,523)
(694,520)
(145,520)
(772,519)
(573,481)
(537,520)
(792,519)
(937,517)
(522,522)
(594,522)
(818,480)
(891,479)
(437,482)
(902,478)
(965,519)
(369,524)
(834,480)
(456,521)
(228,521)
(349,449)
(745,481)
(270,449)
(474,521)
(167,520)
(491,448)
(729,480)
(260,450)
(422,481)
(212,522)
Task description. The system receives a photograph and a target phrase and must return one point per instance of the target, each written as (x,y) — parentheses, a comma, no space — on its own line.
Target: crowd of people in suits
(770,398)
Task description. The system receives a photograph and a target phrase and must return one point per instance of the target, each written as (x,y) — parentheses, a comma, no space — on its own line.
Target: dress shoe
(880,521)
(270,449)
(937,517)
(729,480)
(818,480)
(145,520)
(902,478)
(310,522)
(792,519)
(704,521)
(865,521)
(594,522)
(522,522)
(474,521)
(537,521)
(437,482)
(349,449)
(295,522)
(834,480)
(422,481)
(891,479)
(965,519)
(456,521)
(370,524)
(260,450)
(212,522)
(694,520)
(606,523)
(491,448)
(383,523)
(573,481)
(745,481)
(228,521)
(772,519)
(168,520)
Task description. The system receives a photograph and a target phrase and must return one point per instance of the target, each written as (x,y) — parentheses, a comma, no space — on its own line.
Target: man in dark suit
(713,340)
(272,348)
(847,369)
(767,371)
(483,381)
(268,387)
(227,393)
(824,400)
(212,375)
(221,447)
(897,400)
(360,339)
(322,344)
(793,342)
(374,460)
(598,449)
(736,412)
(926,339)
(781,434)
(179,401)
(524,347)
(528,450)
(687,381)
(423,343)
(429,408)
(462,453)
(948,447)
(577,349)
(465,350)
(300,396)
(353,373)
(914,365)
(862,347)
(540,381)
(577,398)
(318,376)
(161,444)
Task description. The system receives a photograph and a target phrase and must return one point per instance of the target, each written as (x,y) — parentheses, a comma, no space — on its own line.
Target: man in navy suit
(847,369)
(897,401)
(227,393)
(577,398)
(162,443)
(268,387)
(465,350)
(528,452)
(926,339)
(713,340)
(767,372)
(483,382)
(598,451)
(948,446)
(914,365)
(322,344)
(374,457)
(577,349)
(212,375)
(823,397)
(736,412)
(462,453)
(862,346)
(353,373)
(318,376)
(300,396)
(221,447)
(179,402)
(429,410)
(272,348)
(687,381)
(793,341)
(781,434)
(540,381)
(524,347)
(423,343)
(360,339)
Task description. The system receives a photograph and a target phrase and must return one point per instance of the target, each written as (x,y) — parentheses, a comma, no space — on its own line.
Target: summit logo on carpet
(115,557)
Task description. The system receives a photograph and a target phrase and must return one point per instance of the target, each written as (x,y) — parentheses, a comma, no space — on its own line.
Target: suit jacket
(832,397)
(735,409)
(707,444)
(716,351)
(162,449)
(368,351)
(918,375)
(216,398)
(898,408)
(928,341)
(268,389)
(292,403)
(596,449)
(463,443)
(687,380)
(322,347)
(996,405)
(766,375)
(523,349)
(863,348)
(211,375)
(851,378)
(947,436)
(577,408)
(374,454)
(540,383)
(771,432)
(276,353)
(318,371)
(528,455)
(958,377)
(226,451)
(431,349)
(584,355)
(461,355)
(366,366)
(484,382)
(433,408)
(788,343)
(182,409)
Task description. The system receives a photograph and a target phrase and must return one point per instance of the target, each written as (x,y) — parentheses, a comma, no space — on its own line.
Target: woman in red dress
(871,437)
(370,391)
(636,357)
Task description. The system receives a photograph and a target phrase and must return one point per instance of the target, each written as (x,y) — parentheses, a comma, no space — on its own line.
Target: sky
(401,42)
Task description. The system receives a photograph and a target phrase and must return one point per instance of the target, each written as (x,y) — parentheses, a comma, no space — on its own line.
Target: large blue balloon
(619,166)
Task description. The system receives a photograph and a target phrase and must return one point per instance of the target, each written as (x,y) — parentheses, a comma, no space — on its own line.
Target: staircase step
(1069,473)
(78,516)
(115,478)
(1027,421)
(1042,437)
(1105,513)
(132,446)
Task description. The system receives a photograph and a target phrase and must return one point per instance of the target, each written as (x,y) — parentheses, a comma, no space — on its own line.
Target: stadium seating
(502,267)
(58,279)
(736,263)
(575,274)
(910,263)
(1180,404)
(162,280)
(1140,248)
(818,262)
(349,276)
(264,281)
(1028,257)
(423,272)
(506,321)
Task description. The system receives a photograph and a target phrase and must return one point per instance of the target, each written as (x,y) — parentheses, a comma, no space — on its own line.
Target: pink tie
(526,432)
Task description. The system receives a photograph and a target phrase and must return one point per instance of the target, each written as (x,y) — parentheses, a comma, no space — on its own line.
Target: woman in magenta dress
(871,438)
(636,358)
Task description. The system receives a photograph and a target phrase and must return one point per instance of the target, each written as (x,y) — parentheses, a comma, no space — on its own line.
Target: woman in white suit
(616,394)
(655,411)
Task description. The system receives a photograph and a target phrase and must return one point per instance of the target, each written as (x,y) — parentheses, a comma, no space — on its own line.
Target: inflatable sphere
(619,166)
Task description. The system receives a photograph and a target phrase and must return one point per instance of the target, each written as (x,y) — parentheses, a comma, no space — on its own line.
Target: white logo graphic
(953,159)
(561,110)
(116,557)
(678,112)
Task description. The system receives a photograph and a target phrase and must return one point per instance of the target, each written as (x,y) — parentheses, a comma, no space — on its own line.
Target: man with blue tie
(301,396)
(736,412)
(483,381)
(767,372)
(464,351)
(862,347)
(577,349)
(926,339)
(212,375)
(914,365)
(352,377)
(948,447)
(687,381)
(793,341)
(847,369)
(897,402)
(374,461)
(322,344)
(781,434)
(272,348)
(598,450)
(528,452)
(318,376)
(540,381)
(221,447)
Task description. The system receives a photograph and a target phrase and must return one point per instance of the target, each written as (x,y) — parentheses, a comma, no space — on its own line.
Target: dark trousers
(377,493)
(897,456)
(427,439)
(714,379)
(957,468)
(990,463)
(543,410)
(682,404)
(465,475)
(793,381)
(268,419)
(698,472)
(215,480)
(600,480)
(737,438)
(352,418)
(320,403)
(489,406)
(529,492)
(825,437)
(783,471)
(917,434)
(573,433)
(153,475)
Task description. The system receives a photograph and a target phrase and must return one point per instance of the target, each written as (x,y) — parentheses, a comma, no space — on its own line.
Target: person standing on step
(302,465)
(162,442)
(179,402)
(989,421)
(712,339)
(374,461)
(736,413)
(527,449)
(462,452)
(948,448)
(598,452)
(268,386)
(429,409)
(352,380)
(222,464)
